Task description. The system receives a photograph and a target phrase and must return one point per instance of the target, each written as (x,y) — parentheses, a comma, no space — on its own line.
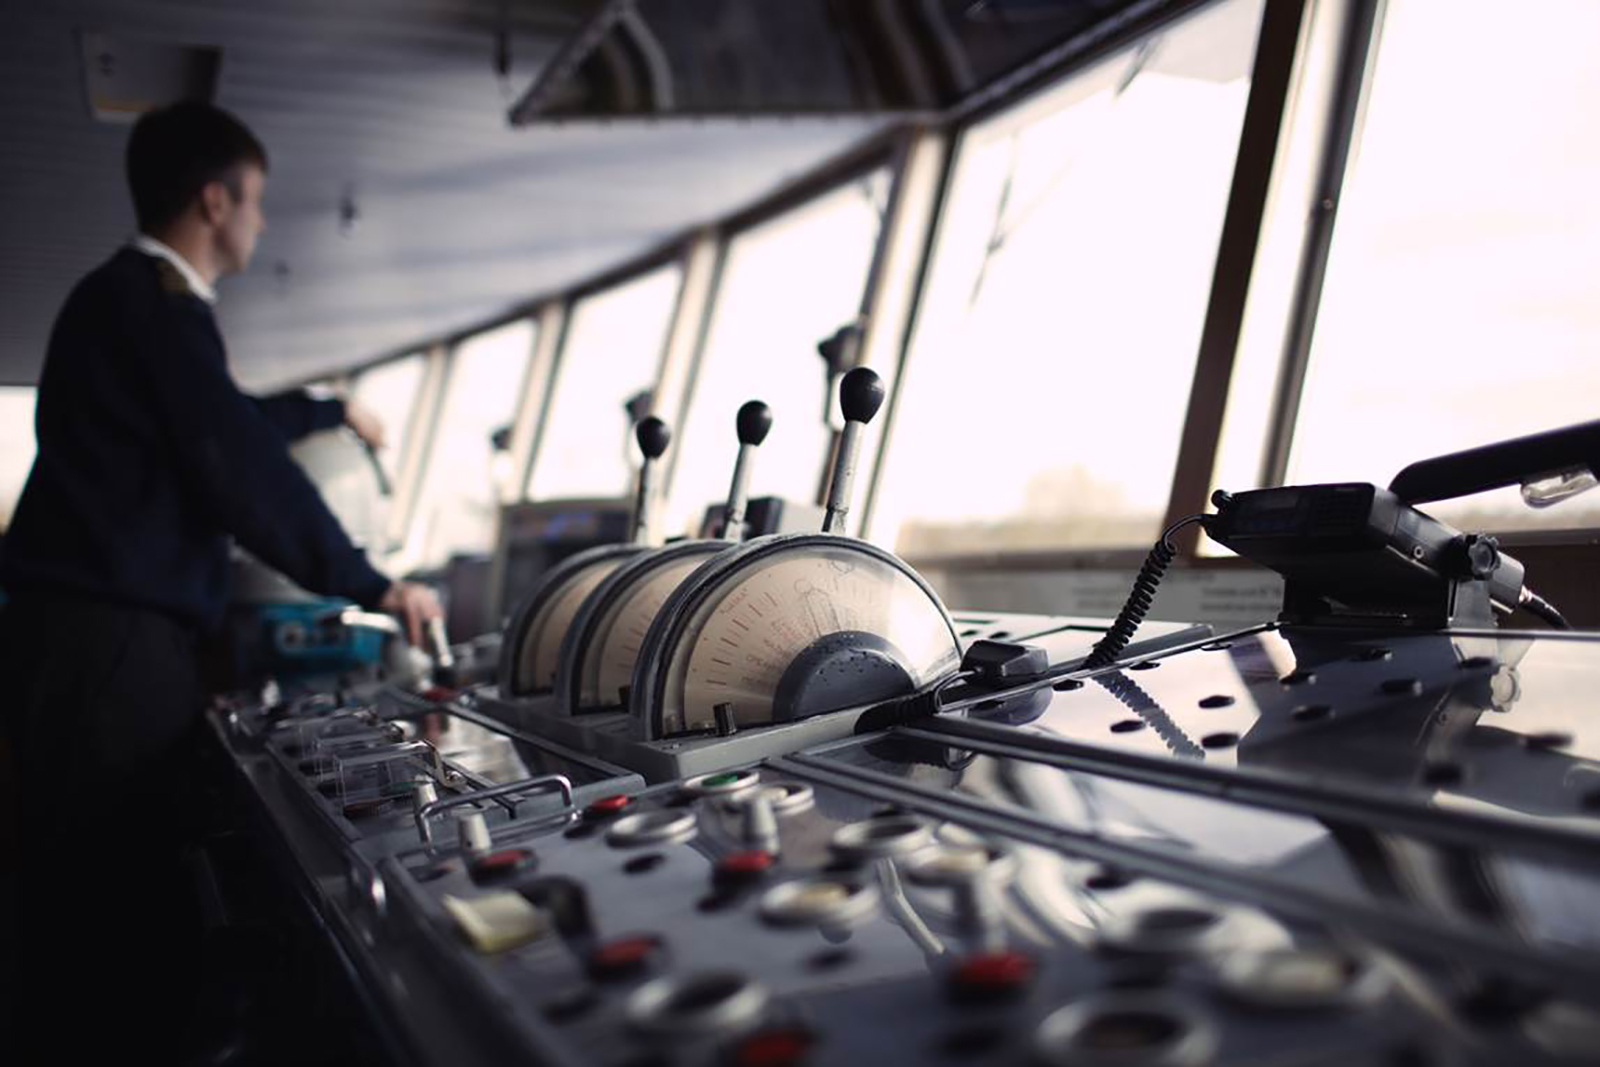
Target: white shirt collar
(152,247)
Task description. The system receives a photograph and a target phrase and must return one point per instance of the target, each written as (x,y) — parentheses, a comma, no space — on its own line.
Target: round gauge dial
(598,652)
(530,652)
(783,628)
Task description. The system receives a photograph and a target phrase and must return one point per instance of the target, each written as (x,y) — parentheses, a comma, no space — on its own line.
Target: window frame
(854,165)
(426,425)
(1278,54)
(675,254)
(889,155)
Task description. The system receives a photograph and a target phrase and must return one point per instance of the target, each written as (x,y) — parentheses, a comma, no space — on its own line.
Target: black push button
(564,901)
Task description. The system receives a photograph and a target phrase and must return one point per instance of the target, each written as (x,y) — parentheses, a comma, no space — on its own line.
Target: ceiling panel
(395,103)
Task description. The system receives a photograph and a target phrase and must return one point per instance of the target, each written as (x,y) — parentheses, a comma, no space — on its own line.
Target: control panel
(767,801)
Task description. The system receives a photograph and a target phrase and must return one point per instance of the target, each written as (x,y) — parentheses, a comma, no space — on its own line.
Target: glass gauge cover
(530,651)
(783,628)
(605,636)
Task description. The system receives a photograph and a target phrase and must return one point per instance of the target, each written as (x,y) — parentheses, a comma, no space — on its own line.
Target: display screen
(537,538)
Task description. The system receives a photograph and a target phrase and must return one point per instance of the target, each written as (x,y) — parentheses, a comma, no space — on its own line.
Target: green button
(718,780)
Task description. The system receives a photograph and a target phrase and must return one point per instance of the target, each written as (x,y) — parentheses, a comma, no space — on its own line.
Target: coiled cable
(1140,599)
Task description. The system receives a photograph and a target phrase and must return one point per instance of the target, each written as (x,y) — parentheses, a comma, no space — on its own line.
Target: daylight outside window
(786,285)
(1048,379)
(612,353)
(16,447)
(1462,300)
(456,509)
(389,391)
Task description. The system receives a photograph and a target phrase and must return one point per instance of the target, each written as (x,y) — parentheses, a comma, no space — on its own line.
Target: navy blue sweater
(150,458)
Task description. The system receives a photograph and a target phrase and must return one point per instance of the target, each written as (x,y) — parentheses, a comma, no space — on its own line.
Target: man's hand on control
(367,426)
(415,605)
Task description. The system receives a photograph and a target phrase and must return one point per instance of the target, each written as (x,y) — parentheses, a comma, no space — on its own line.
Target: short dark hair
(176,151)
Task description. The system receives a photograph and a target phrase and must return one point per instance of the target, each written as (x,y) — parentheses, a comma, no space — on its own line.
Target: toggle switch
(760,829)
(473,831)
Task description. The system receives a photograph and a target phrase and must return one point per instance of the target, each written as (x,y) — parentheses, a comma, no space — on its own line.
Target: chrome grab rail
(542,784)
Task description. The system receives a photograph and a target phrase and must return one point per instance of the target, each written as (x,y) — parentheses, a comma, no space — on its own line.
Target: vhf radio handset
(1352,552)
(1356,554)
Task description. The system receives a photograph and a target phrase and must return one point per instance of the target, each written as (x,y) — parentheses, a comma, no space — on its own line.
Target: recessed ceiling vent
(126,76)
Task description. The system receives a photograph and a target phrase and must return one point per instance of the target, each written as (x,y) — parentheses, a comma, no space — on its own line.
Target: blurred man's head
(196,174)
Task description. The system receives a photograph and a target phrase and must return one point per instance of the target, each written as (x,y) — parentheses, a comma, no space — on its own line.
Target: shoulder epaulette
(172,280)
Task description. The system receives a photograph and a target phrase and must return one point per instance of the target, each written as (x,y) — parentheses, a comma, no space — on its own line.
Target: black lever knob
(861,395)
(653,437)
(1472,556)
(754,422)
(839,349)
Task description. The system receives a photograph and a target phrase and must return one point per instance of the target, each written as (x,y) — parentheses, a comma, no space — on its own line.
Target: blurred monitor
(536,535)
(766,515)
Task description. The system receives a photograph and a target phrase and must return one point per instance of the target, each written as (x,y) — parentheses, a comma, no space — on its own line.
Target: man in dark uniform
(150,459)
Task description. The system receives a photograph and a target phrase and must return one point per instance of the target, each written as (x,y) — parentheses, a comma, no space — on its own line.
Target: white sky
(612,351)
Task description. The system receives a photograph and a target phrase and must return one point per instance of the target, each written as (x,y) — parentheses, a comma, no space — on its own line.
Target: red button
(439,694)
(608,805)
(622,957)
(784,1047)
(739,866)
(992,976)
(502,862)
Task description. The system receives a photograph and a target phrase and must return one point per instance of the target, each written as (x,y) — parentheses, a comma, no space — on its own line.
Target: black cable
(1538,605)
(927,703)
(1140,598)
(901,710)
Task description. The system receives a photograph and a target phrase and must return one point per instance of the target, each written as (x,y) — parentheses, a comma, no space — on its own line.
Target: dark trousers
(101,708)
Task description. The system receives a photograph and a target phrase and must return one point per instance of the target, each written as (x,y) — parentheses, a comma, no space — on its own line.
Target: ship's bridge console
(771,802)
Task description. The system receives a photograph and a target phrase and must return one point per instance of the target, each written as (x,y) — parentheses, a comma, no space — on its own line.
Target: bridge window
(389,391)
(786,284)
(16,447)
(1462,300)
(1049,375)
(611,354)
(466,463)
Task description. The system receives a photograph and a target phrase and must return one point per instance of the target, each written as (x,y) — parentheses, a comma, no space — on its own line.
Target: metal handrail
(540,784)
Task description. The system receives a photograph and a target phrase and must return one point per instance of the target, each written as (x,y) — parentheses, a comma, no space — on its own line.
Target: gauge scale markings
(558,617)
(613,663)
(825,595)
